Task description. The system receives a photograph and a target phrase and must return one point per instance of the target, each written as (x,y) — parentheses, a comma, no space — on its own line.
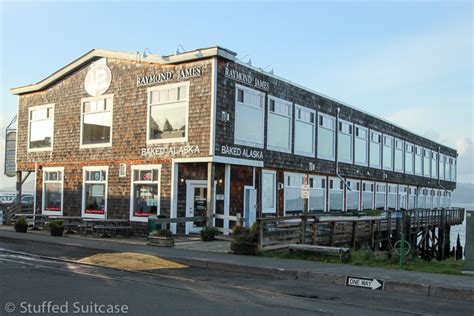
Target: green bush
(208,233)
(161,233)
(244,240)
(21,225)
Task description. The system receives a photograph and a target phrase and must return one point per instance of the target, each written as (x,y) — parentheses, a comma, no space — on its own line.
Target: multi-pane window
(436,199)
(411,198)
(434,165)
(367,195)
(387,152)
(293,200)
(326,136)
(249,117)
(361,142)
(96,128)
(380,196)
(418,160)
(336,194)
(392,197)
(429,198)
(426,162)
(402,197)
(305,120)
(268,191)
(375,149)
(398,155)
(409,158)
(455,170)
(447,201)
(421,198)
(352,195)
(168,113)
(41,127)
(317,195)
(279,124)
(145,195)
(52,190)
(344,141)
(94,193)
(450,172)
(442,162)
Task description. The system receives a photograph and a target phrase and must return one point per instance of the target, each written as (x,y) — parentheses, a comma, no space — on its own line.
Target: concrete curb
(430,290)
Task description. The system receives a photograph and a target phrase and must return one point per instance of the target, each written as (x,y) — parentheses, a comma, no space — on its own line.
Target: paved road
(193,291)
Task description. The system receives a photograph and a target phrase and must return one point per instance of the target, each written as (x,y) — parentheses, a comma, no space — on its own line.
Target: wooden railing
(336,229)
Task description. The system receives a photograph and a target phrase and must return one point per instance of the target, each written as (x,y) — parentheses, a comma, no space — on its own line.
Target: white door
(250,206)
(196,204)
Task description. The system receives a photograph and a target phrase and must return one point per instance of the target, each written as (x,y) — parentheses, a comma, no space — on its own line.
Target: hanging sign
(98,78)
(10,148)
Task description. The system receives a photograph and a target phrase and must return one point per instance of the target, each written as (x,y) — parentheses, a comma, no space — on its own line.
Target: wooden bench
(344,254)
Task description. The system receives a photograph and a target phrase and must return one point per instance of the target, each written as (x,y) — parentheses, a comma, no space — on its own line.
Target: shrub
(161,233)
(56,227)
(21,225)
(244,240)
(209,233)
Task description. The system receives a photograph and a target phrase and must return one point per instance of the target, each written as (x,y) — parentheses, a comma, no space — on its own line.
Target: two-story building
(124,135)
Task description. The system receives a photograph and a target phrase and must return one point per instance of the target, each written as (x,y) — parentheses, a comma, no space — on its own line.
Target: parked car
(27,199)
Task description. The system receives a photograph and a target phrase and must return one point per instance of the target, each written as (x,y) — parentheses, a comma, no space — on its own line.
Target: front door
(250,206)
(196,204)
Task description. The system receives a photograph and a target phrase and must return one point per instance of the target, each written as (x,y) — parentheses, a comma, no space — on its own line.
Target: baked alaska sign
(170,151)
(241,152)
(179,74)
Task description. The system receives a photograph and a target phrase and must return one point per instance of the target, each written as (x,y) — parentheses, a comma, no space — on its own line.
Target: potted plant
(56,227)
(208,233)
(161,238)
(244,240)
(21,225)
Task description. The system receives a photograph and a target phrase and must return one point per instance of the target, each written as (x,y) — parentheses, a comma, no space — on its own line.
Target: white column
(226,198)
(174,194)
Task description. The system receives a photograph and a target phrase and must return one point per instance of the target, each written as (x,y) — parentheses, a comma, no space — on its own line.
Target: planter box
(161,241)
(21,228)
(56,231)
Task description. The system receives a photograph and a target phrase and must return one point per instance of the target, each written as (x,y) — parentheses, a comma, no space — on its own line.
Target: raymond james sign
(246,78)
(179,74)
(241,152)
(170,151)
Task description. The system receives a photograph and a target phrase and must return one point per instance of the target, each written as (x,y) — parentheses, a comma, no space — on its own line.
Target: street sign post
(365,283)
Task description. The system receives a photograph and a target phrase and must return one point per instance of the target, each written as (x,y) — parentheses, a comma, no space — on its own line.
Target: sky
(410,62)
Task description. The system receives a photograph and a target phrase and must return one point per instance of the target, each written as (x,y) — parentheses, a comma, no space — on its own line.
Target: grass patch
(367,258)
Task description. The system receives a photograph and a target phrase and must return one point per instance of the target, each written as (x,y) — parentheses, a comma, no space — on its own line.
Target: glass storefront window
(94,198)
(146,192)
(53,191)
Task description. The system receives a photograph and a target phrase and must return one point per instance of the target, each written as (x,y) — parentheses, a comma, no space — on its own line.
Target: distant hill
(463,194)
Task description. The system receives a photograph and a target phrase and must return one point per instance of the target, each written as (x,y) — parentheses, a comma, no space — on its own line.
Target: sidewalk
(420,283)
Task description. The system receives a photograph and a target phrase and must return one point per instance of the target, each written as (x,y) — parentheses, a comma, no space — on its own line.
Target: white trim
(333,158)
(367,142)
(226,218)
(349,183)
(365,191)
(237,161)
(34,108)
(180,103)
(328,184)
(94,168)
(296,120)
(195,183)
(96,98)
(275,191)
(351,127)
(52,169)
(132,191)
(261,108)
(419,148)
(395,140)
(379,134)
(392,153)
(290,123)
(384,194)
(407,144)
(174,193)
(212,140)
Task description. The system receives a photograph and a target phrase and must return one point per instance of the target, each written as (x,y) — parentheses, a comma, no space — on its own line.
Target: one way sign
(371,284)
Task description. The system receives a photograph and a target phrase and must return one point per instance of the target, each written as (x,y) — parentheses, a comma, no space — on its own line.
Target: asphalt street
(30,284)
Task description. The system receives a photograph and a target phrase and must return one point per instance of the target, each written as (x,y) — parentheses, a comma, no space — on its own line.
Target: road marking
(365,283)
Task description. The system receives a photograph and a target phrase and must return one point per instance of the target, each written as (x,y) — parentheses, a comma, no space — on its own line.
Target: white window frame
(395,141)
(340,189)
(94,168)
(132,191)
(290,186)
(404,193)
(39,107)
(367,143)
(412,171)
(325,190)
(434,164)
(275,183)
(380,142)
(418,153)
(334,130)
(426,156)
(391,185)
(43,197)
(412,194)
(341,124)
(101,97)
(392,151)
(310,111)
(384,194)
(289,116)
(365,185)
(262,109)
(149,106)
(357,188)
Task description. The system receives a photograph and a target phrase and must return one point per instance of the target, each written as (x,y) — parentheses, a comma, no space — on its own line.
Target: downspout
(336,151)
